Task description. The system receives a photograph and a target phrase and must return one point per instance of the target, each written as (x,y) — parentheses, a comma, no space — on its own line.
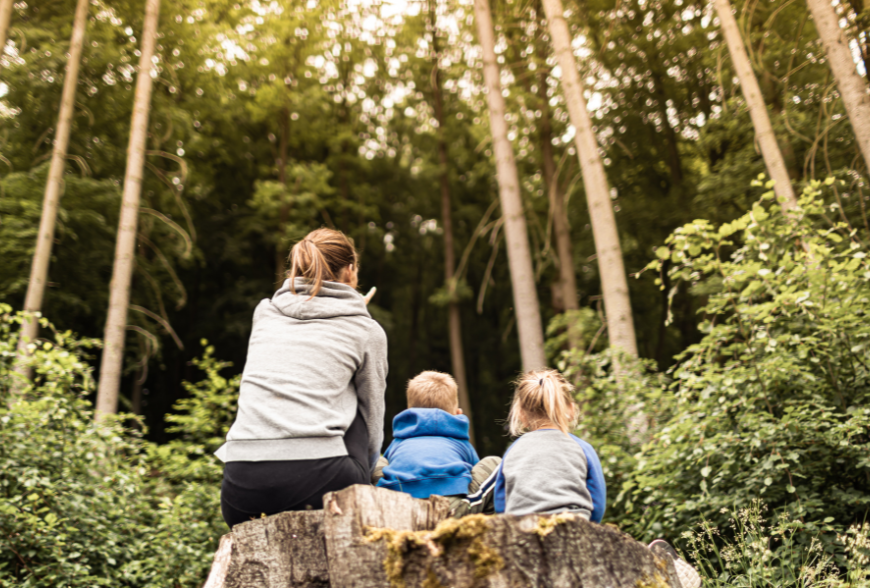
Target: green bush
(618,417)
(774,402)
(83,504)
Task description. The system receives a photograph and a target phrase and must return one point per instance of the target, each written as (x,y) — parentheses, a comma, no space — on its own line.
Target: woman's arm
(371,382)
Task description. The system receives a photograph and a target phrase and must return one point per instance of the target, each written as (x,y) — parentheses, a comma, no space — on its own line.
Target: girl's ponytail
(322,255)
(542,396)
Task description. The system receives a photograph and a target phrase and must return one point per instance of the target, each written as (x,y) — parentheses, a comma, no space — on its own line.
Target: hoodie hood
(333,300)
(430,422)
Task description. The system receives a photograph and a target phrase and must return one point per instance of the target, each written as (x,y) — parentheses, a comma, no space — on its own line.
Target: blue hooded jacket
(430,454)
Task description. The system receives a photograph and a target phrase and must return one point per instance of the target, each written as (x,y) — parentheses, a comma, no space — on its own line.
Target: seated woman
(311,401)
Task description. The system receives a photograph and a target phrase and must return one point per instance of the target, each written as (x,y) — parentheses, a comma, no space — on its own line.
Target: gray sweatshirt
(311,363)
(545,472)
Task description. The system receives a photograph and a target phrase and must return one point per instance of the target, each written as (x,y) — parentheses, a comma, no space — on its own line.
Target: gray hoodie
(311,363)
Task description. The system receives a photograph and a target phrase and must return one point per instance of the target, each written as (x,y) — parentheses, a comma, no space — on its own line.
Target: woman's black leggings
(251,489)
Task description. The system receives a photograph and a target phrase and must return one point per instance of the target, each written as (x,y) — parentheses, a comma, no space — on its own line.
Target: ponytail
(321,256)
(541,396)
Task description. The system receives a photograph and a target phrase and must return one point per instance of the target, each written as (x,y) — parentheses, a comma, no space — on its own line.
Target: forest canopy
(741,245)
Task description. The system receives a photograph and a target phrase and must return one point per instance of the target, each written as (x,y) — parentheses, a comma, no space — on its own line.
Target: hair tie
(541,382)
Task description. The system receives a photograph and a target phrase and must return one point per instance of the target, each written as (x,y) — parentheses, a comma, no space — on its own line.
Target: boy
(430,452)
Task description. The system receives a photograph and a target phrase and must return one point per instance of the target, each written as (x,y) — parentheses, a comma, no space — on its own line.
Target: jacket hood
(429,422)
(333,300)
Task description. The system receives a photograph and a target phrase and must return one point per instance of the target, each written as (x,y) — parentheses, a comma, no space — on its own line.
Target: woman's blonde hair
(322,255)
(542,396)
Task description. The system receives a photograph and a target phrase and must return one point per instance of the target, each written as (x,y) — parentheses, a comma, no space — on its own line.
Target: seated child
(547,469)
(430,452)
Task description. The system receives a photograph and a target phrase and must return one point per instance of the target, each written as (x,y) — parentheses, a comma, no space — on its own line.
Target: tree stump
(553,551)
(376,538)
(286,550)
(355,561)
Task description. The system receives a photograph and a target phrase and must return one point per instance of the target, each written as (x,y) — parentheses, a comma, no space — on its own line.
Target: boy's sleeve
(371,383)
(471,454)
(388,454)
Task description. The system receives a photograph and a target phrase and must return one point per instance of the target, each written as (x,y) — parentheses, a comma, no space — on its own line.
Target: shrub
(774,402)
(85,504)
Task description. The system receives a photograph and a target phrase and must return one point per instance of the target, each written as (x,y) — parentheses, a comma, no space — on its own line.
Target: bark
(54,186)
(136,398)
(559,551)
(853,88)
(371,537)
(284,213)
(556,195)
(125,247)
(454,322)
(528,314)
(286,550)
(614,287)
(764,134)
(349,514)
(675,165)
(5,17)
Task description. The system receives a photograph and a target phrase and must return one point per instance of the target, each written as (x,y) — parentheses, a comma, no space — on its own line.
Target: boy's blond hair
(433,390)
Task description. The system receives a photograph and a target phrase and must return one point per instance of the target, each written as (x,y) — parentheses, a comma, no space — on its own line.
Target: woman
(311,401)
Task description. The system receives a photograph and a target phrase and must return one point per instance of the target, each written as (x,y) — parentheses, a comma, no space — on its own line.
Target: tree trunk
(377,538)
(454,324)
(757,109)
(5,17)
(614,287)
(528,312)
(125,248)
(54,186)
(853,88)
(674,163)
(561,228)
(136,398)
(284,213)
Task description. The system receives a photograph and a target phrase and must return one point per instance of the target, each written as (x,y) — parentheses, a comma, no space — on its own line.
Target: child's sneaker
(687,574)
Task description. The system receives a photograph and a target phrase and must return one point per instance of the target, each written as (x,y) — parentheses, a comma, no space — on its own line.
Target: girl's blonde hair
(542,396)
(321,255)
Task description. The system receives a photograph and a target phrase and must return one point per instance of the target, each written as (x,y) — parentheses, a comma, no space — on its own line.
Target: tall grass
(752,552)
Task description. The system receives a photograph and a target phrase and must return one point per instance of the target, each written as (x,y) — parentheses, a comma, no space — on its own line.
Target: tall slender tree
(5,17)
(614,286)
(528,313)
(558,208)
(125,247)
(454,323)
(54,185)
(764,134)
(853,87)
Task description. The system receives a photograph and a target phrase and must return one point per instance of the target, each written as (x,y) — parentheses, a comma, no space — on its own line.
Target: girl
(548,470)
(311,401)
